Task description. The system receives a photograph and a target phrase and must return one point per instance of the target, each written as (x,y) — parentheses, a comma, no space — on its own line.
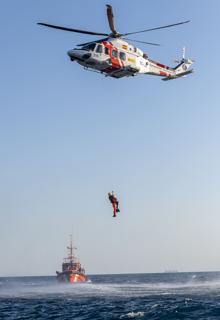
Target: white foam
(91,289)
(132,314)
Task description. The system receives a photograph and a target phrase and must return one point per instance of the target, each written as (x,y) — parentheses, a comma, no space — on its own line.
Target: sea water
(131,296)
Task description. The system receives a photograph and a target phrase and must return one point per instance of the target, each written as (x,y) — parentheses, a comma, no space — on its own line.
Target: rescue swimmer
(115,203)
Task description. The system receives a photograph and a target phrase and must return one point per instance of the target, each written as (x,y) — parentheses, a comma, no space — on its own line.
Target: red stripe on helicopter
(107,44)
(162,73)
(163,66)
(117,64)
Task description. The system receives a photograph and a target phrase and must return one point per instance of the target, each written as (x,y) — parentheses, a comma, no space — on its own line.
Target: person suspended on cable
(115,203)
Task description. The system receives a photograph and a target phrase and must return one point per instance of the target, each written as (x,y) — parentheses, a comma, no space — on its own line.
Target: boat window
(122,55)
(115,53)
(99,48)
(106,50)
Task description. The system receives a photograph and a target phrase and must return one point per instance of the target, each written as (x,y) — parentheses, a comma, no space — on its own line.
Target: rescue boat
(72,270)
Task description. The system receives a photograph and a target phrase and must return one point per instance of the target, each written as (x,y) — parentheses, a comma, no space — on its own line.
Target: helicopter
(115,57)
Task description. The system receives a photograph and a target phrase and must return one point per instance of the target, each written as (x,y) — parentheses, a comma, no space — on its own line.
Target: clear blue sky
(69,136)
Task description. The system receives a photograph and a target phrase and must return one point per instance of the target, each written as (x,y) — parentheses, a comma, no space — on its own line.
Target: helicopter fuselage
(114,57)
(118,59)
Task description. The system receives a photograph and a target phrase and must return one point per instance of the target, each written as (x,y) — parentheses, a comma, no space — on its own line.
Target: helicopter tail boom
(182,74)
(168,73)
(182,69)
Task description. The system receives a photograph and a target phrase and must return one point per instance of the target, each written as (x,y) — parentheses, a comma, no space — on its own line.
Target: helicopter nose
(76,54)
(71,54)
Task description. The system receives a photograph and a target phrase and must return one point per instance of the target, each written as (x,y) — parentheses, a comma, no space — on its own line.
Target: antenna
(71,255)
(184,52)
(183,56)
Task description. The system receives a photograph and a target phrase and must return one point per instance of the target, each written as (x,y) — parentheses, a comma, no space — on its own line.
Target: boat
(171,271)
(72,270)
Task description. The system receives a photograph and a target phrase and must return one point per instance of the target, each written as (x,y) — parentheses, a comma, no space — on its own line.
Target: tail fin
(184,64)
(182,69)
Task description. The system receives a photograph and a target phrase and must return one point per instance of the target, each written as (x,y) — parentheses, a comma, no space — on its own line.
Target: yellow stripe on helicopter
(132,60)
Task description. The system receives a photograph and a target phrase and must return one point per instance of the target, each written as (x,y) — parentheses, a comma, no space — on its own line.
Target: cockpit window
(99,48)
(90,47)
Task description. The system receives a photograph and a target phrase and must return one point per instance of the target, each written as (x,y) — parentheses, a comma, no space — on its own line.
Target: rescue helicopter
(113,56)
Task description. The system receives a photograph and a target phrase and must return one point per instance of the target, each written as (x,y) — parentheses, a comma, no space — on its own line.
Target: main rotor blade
(110,16)
(90,42)
(163,27)
(72,30)
(149,43)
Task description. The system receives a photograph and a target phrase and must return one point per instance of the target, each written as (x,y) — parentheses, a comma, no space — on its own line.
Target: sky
(69,136)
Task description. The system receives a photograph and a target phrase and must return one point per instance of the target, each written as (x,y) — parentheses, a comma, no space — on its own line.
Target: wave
(96,287)
(107,290)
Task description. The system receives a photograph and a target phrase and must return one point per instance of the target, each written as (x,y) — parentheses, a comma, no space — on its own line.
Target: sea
(194,295)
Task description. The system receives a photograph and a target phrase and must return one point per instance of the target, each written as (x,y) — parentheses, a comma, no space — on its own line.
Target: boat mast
(71,256)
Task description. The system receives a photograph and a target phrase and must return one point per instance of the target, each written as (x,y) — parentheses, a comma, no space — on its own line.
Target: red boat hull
(71,277)
(77,278)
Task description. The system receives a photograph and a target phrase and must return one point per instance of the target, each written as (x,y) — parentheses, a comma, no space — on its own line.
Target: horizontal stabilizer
(182,74)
